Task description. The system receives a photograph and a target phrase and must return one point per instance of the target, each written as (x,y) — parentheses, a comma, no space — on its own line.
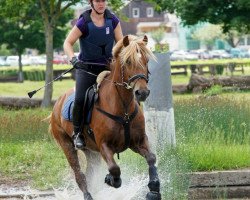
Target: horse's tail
(47,119)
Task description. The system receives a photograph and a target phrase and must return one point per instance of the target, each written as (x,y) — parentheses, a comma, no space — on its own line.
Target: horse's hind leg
(154,182)
(71,155)
(113,178)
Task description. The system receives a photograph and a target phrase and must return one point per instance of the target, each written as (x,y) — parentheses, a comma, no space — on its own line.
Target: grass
(213,133)
(27,150)
(21,89)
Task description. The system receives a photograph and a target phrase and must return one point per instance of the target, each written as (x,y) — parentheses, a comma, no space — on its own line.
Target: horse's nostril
(137,92)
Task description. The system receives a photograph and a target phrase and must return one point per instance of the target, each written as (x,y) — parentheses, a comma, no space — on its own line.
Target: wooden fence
(208,68)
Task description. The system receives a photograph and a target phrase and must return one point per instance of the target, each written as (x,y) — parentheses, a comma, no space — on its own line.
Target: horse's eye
(128,62)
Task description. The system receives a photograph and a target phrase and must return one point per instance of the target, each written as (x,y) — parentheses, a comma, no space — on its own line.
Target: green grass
(26,149)
(213,133)
(21,89)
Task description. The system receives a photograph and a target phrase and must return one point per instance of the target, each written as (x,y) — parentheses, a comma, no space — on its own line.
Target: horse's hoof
(154,185)
(87,196)
(153,196)
(113,182)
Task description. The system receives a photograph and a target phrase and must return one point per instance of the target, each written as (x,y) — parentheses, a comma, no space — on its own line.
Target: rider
(97,29)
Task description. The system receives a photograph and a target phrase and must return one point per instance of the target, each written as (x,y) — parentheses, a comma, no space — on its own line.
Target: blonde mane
(132,54)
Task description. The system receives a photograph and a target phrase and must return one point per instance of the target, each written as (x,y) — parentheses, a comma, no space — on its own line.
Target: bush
(214,90)
(219,69)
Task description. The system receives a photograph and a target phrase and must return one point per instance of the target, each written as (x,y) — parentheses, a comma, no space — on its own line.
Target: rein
(127,84)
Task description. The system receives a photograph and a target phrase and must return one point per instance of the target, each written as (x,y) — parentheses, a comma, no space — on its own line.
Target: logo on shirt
(107,30)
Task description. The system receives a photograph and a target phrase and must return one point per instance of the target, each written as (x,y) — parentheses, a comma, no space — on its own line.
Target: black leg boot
(78,138)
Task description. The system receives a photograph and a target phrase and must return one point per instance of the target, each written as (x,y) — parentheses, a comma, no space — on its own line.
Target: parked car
(58,59)
(202,53)
(219,54)
(38,60)
(183,55)
(13,60)
(239,53)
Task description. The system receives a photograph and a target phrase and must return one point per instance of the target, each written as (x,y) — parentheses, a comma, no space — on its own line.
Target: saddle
(91,97)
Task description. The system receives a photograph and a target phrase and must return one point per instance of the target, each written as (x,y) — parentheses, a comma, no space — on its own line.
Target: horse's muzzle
(141,95)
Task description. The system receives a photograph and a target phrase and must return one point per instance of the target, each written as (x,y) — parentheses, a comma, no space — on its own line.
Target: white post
(159,112)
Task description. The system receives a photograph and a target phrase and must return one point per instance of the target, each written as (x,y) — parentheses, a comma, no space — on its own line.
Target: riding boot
(78,138)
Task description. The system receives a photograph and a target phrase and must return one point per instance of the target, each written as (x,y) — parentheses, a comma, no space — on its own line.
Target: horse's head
(133,55)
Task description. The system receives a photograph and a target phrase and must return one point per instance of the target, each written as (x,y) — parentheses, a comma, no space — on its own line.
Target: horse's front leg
(113,178)
(154,181)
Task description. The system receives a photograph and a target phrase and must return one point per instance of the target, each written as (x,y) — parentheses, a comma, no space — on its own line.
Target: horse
(117,120)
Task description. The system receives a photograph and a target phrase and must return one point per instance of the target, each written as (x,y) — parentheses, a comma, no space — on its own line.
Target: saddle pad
(68,108)
(90,98)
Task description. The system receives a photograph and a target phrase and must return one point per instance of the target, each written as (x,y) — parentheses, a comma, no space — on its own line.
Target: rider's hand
(76,62)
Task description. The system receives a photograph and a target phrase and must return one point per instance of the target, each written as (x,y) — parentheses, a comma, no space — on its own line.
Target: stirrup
(78,140)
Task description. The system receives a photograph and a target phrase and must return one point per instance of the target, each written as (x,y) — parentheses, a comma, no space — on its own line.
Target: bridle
(135,77)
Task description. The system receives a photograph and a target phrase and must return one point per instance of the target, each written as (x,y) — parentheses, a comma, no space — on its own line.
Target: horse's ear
(145,39)
(125,41)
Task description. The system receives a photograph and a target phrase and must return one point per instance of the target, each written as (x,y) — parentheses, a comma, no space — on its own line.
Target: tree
(24,29)
(208,34)
(15,28)
(233,38)
(231,14)
(158,36)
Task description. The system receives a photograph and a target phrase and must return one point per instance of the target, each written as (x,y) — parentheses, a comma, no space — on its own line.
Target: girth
(125,121)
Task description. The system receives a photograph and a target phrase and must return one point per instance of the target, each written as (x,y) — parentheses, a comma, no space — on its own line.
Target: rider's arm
(118,32)
(70,40)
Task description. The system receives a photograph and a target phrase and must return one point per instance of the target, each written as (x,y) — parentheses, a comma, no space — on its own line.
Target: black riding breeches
(83,81)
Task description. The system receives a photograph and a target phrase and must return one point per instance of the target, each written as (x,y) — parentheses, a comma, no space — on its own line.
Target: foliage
(219,69)
(208,34)
(4,51)
(233,37)
(158,34)
(233,15)
(161,48)
(214,90)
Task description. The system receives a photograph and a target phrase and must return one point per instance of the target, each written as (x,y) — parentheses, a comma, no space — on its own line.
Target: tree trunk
(49,66)
(198,83)
(20,71)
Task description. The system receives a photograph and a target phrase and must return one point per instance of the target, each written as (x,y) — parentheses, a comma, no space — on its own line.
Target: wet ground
(130,190)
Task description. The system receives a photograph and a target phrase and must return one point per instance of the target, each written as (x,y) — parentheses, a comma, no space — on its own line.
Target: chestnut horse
(117,119)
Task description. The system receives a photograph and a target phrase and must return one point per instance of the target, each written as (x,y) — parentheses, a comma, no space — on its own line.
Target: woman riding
(97,29)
